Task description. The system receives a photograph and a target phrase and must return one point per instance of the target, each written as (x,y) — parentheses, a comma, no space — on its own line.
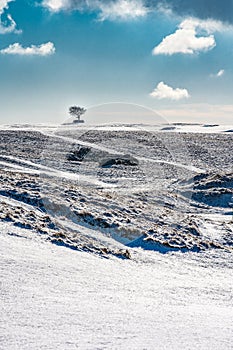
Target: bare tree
(77,112)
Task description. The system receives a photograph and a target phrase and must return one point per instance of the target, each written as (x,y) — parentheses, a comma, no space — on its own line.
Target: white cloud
(56,5)
(164,9)
(107,10)
(164,91)
(192,36)
(9,25)
(4,5)
(40,50)
(122,9)
(219,74)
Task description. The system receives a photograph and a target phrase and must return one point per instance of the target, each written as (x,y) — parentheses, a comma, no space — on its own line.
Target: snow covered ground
(57,298)
(133,255)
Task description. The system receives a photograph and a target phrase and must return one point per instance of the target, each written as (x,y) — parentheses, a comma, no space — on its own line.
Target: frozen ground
(116,237)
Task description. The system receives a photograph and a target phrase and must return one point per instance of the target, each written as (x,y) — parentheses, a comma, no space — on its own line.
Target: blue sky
(174,57)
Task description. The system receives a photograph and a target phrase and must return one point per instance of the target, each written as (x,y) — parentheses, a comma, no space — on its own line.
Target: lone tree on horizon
(77,112)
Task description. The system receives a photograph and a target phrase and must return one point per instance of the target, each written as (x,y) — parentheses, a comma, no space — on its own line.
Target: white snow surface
(53,297)
(56,298)
(172,127)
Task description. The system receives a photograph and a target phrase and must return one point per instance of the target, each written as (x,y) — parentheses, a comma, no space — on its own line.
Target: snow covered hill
(57,298)
(116,237)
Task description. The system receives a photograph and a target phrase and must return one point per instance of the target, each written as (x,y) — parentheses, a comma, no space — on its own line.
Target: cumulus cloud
(215,9)
(107,10)
(8,25)
(163,91)
(4,5)
(122,9)
(57,5)
(40,50)
(192,36)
